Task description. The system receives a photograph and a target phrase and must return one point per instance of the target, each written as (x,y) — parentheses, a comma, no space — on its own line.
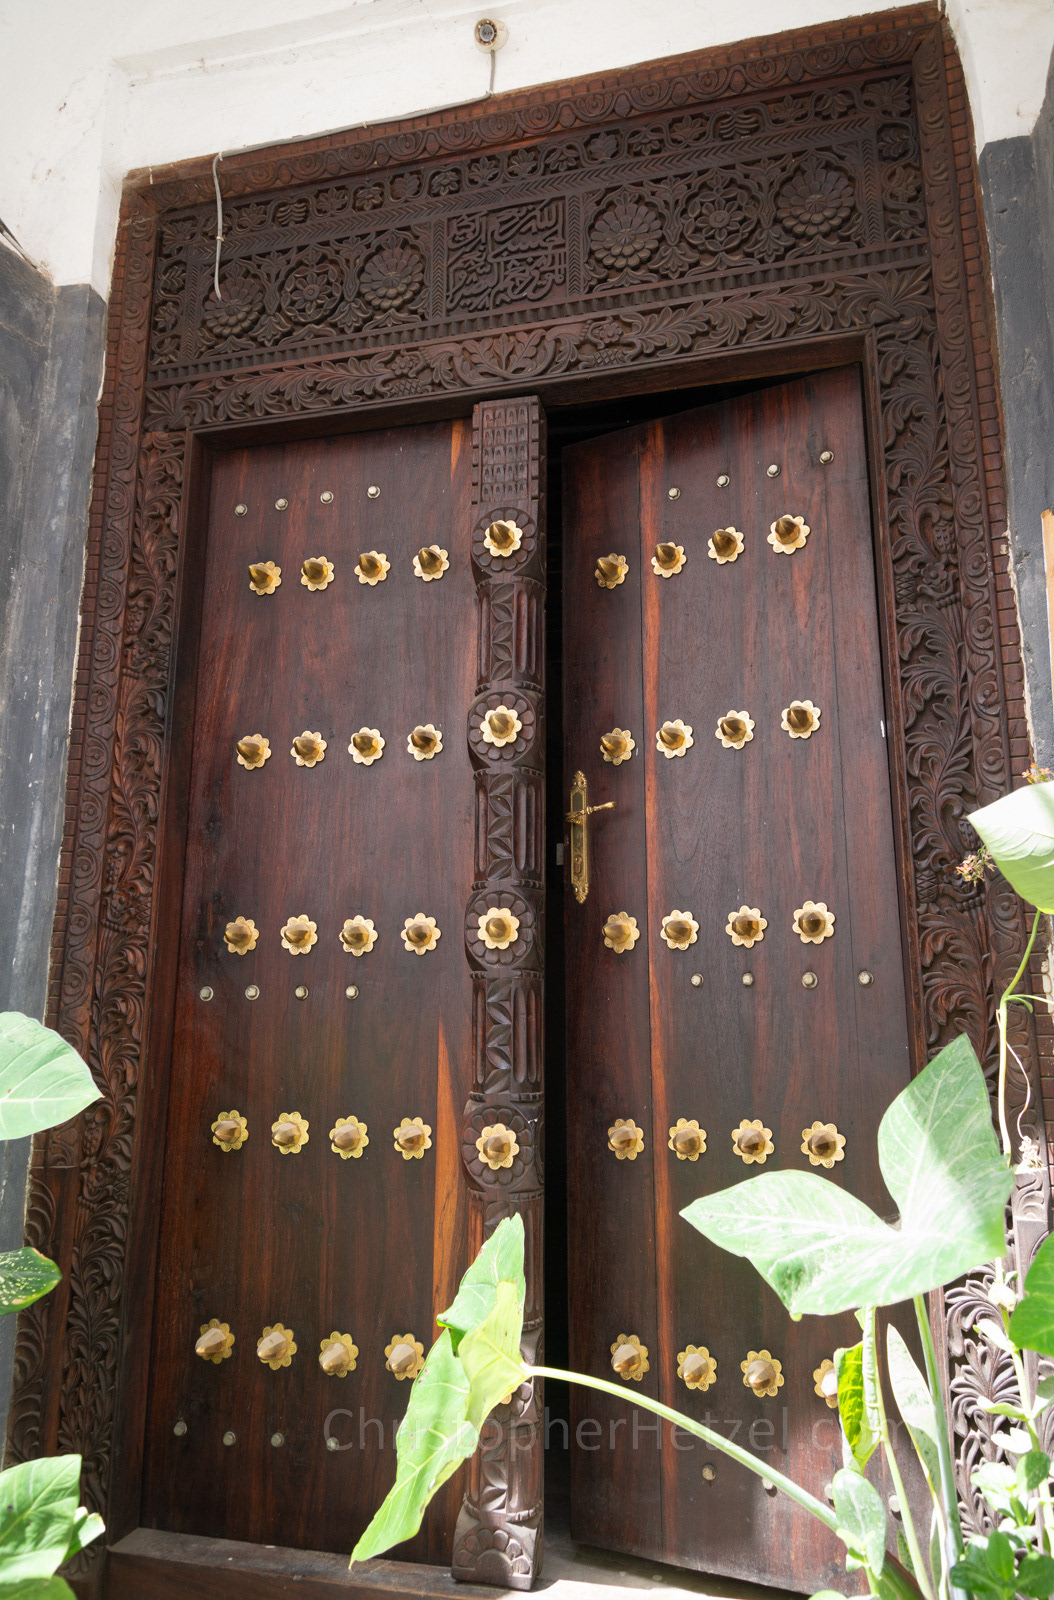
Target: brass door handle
(578,819)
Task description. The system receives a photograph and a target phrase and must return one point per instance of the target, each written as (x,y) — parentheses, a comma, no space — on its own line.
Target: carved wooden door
(363,869)
(735,973)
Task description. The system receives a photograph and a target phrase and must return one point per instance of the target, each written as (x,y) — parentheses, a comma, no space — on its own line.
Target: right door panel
(752,844)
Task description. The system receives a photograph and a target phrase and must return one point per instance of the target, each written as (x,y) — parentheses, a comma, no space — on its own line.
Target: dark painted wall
(1017,183)
(51,349)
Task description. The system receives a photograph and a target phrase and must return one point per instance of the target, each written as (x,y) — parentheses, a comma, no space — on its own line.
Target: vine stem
(953,1527)
(1004,1001)
(899,1580)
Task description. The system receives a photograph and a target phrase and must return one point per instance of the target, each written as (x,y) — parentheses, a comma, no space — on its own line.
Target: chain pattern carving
(810,189)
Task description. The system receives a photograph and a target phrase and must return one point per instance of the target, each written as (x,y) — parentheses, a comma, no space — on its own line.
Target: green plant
(823,1251)
(43,1082)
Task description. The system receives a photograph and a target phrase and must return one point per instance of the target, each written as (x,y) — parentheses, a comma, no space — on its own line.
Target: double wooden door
(735,976)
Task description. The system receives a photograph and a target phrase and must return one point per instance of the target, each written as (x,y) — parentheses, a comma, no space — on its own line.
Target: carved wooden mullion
(498,1535)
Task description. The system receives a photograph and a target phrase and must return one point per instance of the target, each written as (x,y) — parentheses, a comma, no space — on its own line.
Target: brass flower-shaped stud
(629,1358)
(617,746)
(240,936)
(825,1382)
(289,1134)
(299,934)
(420,933)
(752,1141)
(497,1146)
(503,538)
(253,751)
(498,928)
(667,560)
(696,1366)
(366,747)
(674,738)
(216,1341)
(404,1356)
(430,562)
(316,573)
(746,926)
(276,1346)
(813,923)
(823,1144)
(611,571)
(348,1138)
(724,544)
(230,1131)
(412,1138)
(425,742)
(762,1372)
(621,932)
(358,935)
(625,1139)
(800,719)
(338,1354)
(788,534)
(679,930)
(735,729)
(264,577)
(308,749)
(500,726)
(372,567)
(687,1139)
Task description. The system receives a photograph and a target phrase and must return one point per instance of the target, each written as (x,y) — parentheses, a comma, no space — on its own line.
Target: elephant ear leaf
(824,1251)
(499,1261)
(1019,833)
(43,1080)
(25,1275)
(434,1437)
(490,1355)
(1032,1324)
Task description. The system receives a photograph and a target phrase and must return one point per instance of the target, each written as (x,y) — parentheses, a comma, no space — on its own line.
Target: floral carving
(816,202)
(312,289)
(391,277)
(626,235)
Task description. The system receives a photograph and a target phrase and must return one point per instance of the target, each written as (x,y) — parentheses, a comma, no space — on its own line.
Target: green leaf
(1000,1557)
(974,1574)
(37,1589)
(1045,1386)
(861,1518)
(1019,833)
(38,1512)
(499,1260)
(860,1427)
(823,1251)
(86,1528)
(1035,1575)
(1032,1470)
(43,1080)
(490,1355)
(915,1404)
(995,1333)
(827,1594)
(434,1437)
(25,1275)
(1032,1324)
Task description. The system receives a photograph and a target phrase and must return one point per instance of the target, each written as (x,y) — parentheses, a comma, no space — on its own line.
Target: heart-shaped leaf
(38,1513)
(25,1275)
(1032,1324)
(824,1251)
(1019,833)
(43,1080)
(490,1355)
(861,1518)
(499,1260)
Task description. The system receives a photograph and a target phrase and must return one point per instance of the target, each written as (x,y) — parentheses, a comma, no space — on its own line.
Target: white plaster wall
(95,88)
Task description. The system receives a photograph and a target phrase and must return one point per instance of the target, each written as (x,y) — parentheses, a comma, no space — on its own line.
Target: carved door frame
(664,233)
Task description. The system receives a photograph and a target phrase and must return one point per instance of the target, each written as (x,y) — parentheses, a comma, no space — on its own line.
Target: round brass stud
(240,509)
(679,930)
(697,980)
(230,1438)
(620,932)
(430,563)
(826,457)
(276,1346)
(723,481)
(289,1133)
(348,1138)
(752,1142)
(709,1473)
(424,742)
(668,559)
(823,1144)
(800,719)
(735,729)
(264,577)
(865,979)
(358,935)
(308,749)
(180,1429)
(351,992)
(687,1139)
(696,1367)
(498,1146)
(338,1355)
(773,471)
(787,534)
(404,1356)
(301,991)
(277,1440)
(625,1139)
(673,494)
(412,1138)
(281,504)
(611,571)
(366,747)
(617,746)
(503,538)
(500,727)
(813,923)
(674,738)
(215,1343)
(316,573)
(746,927)
(825,1382)
(252,992)
(372,567)
(326,497)
(762,1373)
(241,936)
(230,1131)
(253,751)
(420,933)
(206,993)
(373,491)
(298,934)
(809,980)
(498,928)
(748,980)
(629,1358)
(724,545)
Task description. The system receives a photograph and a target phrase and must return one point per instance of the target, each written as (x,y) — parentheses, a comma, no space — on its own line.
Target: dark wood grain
(308,1239)
(771,825)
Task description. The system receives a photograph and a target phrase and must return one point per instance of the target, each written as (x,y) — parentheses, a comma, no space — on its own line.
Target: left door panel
(304,1028)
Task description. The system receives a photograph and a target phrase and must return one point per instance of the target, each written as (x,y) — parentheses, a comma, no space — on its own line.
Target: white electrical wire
(217,158)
